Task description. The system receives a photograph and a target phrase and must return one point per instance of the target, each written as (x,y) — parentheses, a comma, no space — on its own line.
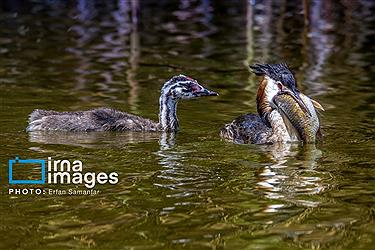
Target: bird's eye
(280,85)
(195,88)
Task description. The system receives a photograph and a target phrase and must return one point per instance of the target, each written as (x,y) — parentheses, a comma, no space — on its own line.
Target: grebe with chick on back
(284,113)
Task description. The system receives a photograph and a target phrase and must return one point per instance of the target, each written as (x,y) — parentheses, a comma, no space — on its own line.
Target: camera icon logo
(17,160)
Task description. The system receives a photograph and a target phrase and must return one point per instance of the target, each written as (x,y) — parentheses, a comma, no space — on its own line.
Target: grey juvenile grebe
(106,119)
(273,124)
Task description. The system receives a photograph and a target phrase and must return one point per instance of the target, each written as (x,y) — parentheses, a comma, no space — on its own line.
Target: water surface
(192,190)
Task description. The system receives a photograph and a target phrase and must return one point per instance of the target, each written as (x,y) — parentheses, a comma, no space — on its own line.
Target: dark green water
(193,191)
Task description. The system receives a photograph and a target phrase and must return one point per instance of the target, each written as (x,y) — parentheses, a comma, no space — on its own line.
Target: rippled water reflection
(191,189)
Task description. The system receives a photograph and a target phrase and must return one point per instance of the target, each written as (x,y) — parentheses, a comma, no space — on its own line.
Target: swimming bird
(284,113)
(107,119)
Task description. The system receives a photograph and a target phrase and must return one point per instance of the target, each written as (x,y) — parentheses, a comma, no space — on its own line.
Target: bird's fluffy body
(100,119)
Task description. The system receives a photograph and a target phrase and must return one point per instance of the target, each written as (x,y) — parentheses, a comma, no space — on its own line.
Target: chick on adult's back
(107,119)
(280,106)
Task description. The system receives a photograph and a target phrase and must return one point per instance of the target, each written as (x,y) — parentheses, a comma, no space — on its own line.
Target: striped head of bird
(184,87)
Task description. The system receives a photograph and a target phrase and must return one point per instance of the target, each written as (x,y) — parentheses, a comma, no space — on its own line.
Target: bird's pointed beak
(205,92)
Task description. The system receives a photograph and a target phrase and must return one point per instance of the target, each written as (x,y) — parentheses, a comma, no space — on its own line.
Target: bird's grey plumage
(101,119)
(247,129)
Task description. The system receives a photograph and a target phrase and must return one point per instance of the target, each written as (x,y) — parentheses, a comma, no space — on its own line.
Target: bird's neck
(167,114)
(263,105)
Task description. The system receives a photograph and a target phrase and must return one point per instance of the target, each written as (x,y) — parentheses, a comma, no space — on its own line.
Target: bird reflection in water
(92,139)
(167,140)
(102,139)
(290,180)
(182,179)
